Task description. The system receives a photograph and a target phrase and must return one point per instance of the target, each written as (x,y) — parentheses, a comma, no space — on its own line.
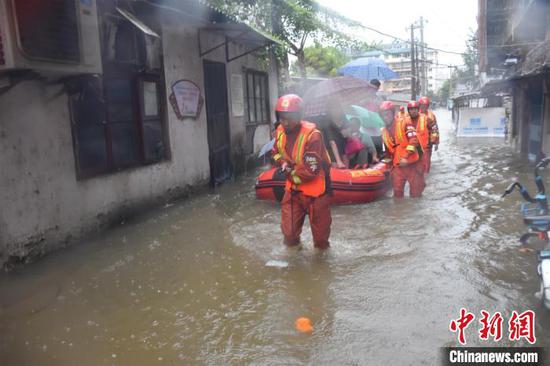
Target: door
(217,116)
(535,121)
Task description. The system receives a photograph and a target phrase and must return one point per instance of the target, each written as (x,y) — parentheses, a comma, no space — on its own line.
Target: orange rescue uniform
(431,136)
(306,185)
(401,142)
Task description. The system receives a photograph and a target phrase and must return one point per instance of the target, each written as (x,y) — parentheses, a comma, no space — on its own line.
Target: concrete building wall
(194,71)
(44,206)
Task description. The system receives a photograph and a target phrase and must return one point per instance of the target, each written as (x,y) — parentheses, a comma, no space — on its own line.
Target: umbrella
(368,68)
(266,148)
(371,123)
(344,89)
(368,119)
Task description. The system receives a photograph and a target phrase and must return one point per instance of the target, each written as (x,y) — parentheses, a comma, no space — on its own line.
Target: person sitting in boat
(356,152)
(335,142)
(360,148)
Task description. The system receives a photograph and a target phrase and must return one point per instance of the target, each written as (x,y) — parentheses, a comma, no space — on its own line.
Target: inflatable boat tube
(349,186)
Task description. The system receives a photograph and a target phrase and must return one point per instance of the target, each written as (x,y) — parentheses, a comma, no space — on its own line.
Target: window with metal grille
(257,97)
(257,102)
(48,30)
(123,126)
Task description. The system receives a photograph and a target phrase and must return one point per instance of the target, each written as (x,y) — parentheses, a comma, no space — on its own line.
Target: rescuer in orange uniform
(401,113)
(433,140)
(420,124)
(402,145)
(300,152)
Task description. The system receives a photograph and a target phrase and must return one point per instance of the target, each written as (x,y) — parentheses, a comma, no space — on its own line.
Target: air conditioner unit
(51,37)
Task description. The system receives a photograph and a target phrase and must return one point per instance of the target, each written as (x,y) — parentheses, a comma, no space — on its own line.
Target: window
(122,124)
(154,146)
(88,127)
(257,97)
(257,102)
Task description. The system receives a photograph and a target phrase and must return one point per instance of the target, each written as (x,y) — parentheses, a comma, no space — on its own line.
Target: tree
(430,94)
(293,22)
(468,73)
(444,93)
(322,61)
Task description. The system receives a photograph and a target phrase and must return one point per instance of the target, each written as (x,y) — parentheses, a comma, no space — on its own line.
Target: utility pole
(413,66)
(419,89)
(450,81)
(424,72)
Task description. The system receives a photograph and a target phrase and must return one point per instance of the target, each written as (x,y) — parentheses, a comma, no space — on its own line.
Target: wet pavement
(187,283)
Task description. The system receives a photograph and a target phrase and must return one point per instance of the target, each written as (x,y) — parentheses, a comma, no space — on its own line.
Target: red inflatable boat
(348,186)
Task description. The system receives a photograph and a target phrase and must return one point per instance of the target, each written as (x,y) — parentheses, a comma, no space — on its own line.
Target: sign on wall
(186,99)
(237,95)
(481,122)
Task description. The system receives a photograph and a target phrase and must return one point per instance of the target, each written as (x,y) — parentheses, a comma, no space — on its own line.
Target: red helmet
(289,103)
(412,104)
(386,106)
(401,108)
(424,100)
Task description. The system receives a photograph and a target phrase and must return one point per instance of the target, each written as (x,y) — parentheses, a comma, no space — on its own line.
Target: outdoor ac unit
(51,37)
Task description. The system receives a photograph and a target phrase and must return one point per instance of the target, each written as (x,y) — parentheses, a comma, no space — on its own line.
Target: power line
(444,65)
(361,25)
(427,61)
(407,41)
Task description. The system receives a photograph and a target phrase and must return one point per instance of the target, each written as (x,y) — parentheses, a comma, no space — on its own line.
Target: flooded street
(187,283)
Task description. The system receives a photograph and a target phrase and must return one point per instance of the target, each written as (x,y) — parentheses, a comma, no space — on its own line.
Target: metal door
(535,122)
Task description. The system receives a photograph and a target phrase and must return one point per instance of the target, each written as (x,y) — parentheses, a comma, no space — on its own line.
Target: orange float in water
(349,186)
(303,325)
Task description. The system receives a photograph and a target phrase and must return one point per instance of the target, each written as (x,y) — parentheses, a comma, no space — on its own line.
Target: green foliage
(468,75)
(430,94)
(465,75)
(293,22)
(322,61)
(444,92)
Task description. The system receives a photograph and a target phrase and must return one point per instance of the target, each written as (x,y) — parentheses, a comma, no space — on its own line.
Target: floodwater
(187,284)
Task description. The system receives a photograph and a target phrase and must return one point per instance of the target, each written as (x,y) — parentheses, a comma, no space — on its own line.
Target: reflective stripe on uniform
(295,179)
(314,187)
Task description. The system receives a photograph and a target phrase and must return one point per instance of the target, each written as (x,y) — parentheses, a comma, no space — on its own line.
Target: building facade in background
(398,58)
(109,106)
(514,47)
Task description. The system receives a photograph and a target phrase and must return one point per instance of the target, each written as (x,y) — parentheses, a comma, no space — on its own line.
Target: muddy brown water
(187,283)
